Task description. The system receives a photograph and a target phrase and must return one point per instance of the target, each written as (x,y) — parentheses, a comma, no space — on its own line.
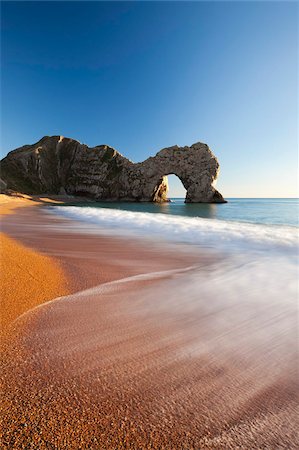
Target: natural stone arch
(61,165)
(195,166)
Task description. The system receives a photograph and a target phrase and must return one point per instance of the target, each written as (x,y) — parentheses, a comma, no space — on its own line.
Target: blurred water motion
(271,211)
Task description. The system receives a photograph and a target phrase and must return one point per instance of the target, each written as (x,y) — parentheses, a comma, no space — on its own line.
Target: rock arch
(61,165)
(195,166)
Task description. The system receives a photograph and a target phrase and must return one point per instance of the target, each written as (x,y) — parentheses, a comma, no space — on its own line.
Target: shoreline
(138,355)
(56,263)
(35,278)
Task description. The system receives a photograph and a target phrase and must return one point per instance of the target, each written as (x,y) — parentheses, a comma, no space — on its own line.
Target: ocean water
(271,211)
(254,225)
(256,239)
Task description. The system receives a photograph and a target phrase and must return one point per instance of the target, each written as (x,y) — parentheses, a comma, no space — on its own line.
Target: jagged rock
(3,186)
(61,165)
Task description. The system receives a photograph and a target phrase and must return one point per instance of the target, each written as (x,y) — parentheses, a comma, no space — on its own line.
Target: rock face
(3,186)
(61,165)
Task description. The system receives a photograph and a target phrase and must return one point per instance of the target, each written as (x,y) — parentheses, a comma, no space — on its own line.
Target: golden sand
(27,277)
(8,203)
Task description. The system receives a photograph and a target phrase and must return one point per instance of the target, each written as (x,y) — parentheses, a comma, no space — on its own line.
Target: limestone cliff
(61,165)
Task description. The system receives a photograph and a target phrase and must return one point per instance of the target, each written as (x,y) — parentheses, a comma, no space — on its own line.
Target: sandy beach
(124,358)
(27,277)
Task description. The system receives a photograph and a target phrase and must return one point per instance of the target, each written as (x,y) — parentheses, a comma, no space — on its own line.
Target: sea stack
(56,164)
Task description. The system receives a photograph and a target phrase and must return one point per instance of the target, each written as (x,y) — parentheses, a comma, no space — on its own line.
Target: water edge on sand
(203,357)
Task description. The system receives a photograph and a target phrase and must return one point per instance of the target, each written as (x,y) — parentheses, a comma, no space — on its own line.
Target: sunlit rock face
(61,165)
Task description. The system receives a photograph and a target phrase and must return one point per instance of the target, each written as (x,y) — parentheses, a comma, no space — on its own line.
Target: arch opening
(176,188)
(168,187)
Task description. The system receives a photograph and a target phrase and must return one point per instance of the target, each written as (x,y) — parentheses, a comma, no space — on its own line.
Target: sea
(254,241)
(264,211)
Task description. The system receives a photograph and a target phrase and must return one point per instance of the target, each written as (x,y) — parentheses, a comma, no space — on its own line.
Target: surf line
(110,285)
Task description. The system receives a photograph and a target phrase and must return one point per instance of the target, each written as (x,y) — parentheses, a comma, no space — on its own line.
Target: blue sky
(141,76)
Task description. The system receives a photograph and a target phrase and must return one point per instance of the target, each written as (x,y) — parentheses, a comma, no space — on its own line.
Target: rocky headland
(59,165)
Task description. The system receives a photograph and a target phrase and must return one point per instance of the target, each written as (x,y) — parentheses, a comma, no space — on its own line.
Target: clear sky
(141,76)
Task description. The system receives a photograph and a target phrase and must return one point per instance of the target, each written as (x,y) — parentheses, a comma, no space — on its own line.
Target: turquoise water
(268,211)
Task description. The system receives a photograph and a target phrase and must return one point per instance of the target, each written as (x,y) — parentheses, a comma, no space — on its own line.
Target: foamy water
(217,234)
(260,261)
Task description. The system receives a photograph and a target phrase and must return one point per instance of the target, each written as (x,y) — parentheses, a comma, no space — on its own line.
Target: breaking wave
(214,234)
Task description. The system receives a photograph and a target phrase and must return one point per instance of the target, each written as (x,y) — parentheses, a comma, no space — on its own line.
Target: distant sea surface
(269,211)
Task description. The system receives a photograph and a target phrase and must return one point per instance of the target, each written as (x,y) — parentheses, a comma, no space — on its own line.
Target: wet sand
(136,363)
(27,277)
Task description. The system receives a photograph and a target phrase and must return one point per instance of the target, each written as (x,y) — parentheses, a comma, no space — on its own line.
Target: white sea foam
(259,264)
(209,233)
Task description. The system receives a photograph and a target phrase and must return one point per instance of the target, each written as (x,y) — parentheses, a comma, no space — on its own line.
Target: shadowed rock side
(61,165)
